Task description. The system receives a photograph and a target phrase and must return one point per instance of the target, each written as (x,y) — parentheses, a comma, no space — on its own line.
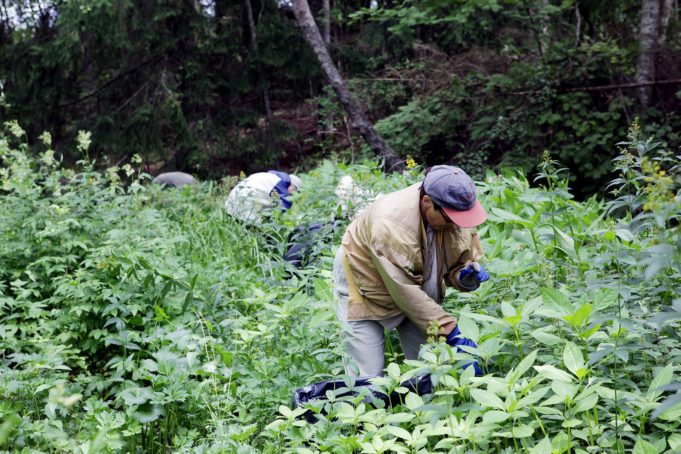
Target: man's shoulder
(263,180)
(399,208)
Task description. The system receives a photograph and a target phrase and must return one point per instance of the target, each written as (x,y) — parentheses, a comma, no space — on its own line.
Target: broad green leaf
(624,235)
(522,431)
(674,441)
(495,416)
(543,447)
(534,397)
(669,409)
(571,423)
(413,401)
(553,373)
(555,299)
(148,413)
(565,242)
(564,389)
(643,447)
(546,338)
(136,396)
(399,432)
(586,334)
(487,399)
(469,329)
(580,317)
(393,371)
(522,367)
(514,320)
(663,377)
(560,443)
(507,309)
(573,359)
(285,411)
(509,217)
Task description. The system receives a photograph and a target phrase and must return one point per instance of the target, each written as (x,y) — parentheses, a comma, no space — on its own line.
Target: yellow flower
(410,162)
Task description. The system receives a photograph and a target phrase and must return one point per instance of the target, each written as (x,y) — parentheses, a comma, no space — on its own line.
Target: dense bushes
(136,319)
(483,83)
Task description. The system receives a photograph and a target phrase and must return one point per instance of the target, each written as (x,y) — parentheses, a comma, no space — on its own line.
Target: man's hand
(455,340)
(472,275)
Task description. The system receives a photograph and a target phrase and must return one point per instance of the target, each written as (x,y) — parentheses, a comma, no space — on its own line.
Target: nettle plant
(137,319)
(578,330)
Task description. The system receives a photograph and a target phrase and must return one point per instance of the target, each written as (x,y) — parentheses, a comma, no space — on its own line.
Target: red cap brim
(466,219)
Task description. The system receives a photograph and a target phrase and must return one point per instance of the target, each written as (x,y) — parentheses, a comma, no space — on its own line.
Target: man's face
(435,218)
(292,188)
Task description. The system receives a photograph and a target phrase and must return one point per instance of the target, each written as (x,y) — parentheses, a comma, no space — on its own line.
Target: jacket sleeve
(473,253)
(282,188)
(407,294)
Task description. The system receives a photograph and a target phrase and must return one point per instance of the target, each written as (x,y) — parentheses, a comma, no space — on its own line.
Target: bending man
(396,259)
(260,192)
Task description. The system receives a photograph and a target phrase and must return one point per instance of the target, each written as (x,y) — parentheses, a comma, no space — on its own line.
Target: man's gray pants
(364,340)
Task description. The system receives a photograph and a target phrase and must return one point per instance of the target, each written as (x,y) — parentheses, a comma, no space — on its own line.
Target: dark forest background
(219,87)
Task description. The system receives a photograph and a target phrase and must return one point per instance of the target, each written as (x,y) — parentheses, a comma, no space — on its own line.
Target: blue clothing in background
(282,187)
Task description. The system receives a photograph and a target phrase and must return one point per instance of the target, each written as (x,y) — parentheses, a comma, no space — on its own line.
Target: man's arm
(416,305)
(473,253)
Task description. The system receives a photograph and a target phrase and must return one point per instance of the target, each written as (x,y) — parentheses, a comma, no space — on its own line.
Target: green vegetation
(487,82)
(136,319)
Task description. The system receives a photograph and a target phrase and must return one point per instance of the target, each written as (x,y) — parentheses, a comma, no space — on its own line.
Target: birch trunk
(666,8)
(308,26)
(647,49)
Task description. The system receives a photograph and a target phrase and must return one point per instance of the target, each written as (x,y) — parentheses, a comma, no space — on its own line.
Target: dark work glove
(472,275)
(455,340)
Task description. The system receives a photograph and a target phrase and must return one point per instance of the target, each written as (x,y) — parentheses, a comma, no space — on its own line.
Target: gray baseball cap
(452,189)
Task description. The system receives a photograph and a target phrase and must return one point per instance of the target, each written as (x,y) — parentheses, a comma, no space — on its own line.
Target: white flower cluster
(352,197)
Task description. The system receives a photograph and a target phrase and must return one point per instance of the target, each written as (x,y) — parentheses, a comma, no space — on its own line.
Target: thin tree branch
(602,87)
(531,91)
(112,81)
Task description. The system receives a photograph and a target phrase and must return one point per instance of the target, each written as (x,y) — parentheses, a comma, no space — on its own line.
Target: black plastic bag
(420,385)
(304,242)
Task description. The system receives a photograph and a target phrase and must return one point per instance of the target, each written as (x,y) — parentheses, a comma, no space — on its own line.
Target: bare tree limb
(602,87)
(113,81)
(310,32)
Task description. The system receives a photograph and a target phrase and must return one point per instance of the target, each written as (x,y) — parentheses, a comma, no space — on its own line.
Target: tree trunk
(647,48)
(578,25)
(666,7)
(263,81)
(327,21)
(314,39)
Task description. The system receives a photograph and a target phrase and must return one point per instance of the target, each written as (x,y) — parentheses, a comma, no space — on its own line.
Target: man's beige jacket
(385,251)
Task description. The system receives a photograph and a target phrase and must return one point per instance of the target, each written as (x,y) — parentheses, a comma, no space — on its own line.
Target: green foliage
(138,319)
(170,81)
(483,84)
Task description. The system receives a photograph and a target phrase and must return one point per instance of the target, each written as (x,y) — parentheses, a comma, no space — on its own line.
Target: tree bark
(647,49)
(666,7)
(327,21)
(308,26)
(578,26)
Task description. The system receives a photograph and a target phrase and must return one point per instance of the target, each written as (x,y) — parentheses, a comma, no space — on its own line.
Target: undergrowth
(138,319)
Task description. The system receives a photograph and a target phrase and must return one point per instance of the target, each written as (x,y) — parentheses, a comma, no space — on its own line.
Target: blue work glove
(455,340)
(472,275)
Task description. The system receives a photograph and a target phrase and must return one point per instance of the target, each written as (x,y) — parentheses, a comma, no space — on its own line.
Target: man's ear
(426,201)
